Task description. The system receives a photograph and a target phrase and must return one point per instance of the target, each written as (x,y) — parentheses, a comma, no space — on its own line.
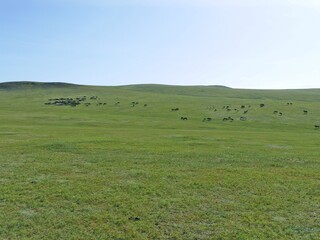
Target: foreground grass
(122,172)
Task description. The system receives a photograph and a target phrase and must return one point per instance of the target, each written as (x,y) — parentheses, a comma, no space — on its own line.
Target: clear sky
(237,43)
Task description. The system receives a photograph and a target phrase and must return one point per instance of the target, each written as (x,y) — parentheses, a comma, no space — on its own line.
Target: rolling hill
(87,162)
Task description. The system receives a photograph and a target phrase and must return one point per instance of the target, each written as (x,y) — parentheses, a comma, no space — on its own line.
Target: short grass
(122,172)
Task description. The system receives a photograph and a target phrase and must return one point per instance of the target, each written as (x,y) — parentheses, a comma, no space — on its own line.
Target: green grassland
(116,171)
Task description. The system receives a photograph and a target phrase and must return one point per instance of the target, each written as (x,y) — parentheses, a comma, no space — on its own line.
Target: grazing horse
(262,105)
(316,126)
(245,111)
(228,119)
(305,112)
(183,118)
(208,119)
(174,109)
(134,104)
(275,112)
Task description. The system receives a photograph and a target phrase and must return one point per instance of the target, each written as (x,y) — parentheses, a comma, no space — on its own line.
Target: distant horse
(228,119)
(208,119)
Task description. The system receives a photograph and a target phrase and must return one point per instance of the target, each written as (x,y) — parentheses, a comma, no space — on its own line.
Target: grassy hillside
(130,168)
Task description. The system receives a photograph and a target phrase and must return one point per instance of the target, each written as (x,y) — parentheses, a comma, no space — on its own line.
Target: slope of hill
(222,91)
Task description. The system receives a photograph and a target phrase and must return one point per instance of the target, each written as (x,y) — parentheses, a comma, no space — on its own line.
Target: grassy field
(118,171)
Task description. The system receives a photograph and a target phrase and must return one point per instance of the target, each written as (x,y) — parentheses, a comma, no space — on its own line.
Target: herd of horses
(241,118)
(73,102)
(244,109)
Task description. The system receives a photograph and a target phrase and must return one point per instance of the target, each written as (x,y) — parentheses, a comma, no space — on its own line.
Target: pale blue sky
(237,43)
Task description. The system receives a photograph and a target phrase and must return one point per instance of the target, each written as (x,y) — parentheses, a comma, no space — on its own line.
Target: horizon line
(159,84)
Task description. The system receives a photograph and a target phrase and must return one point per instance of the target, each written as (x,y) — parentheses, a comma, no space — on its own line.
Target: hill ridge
(31,84)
